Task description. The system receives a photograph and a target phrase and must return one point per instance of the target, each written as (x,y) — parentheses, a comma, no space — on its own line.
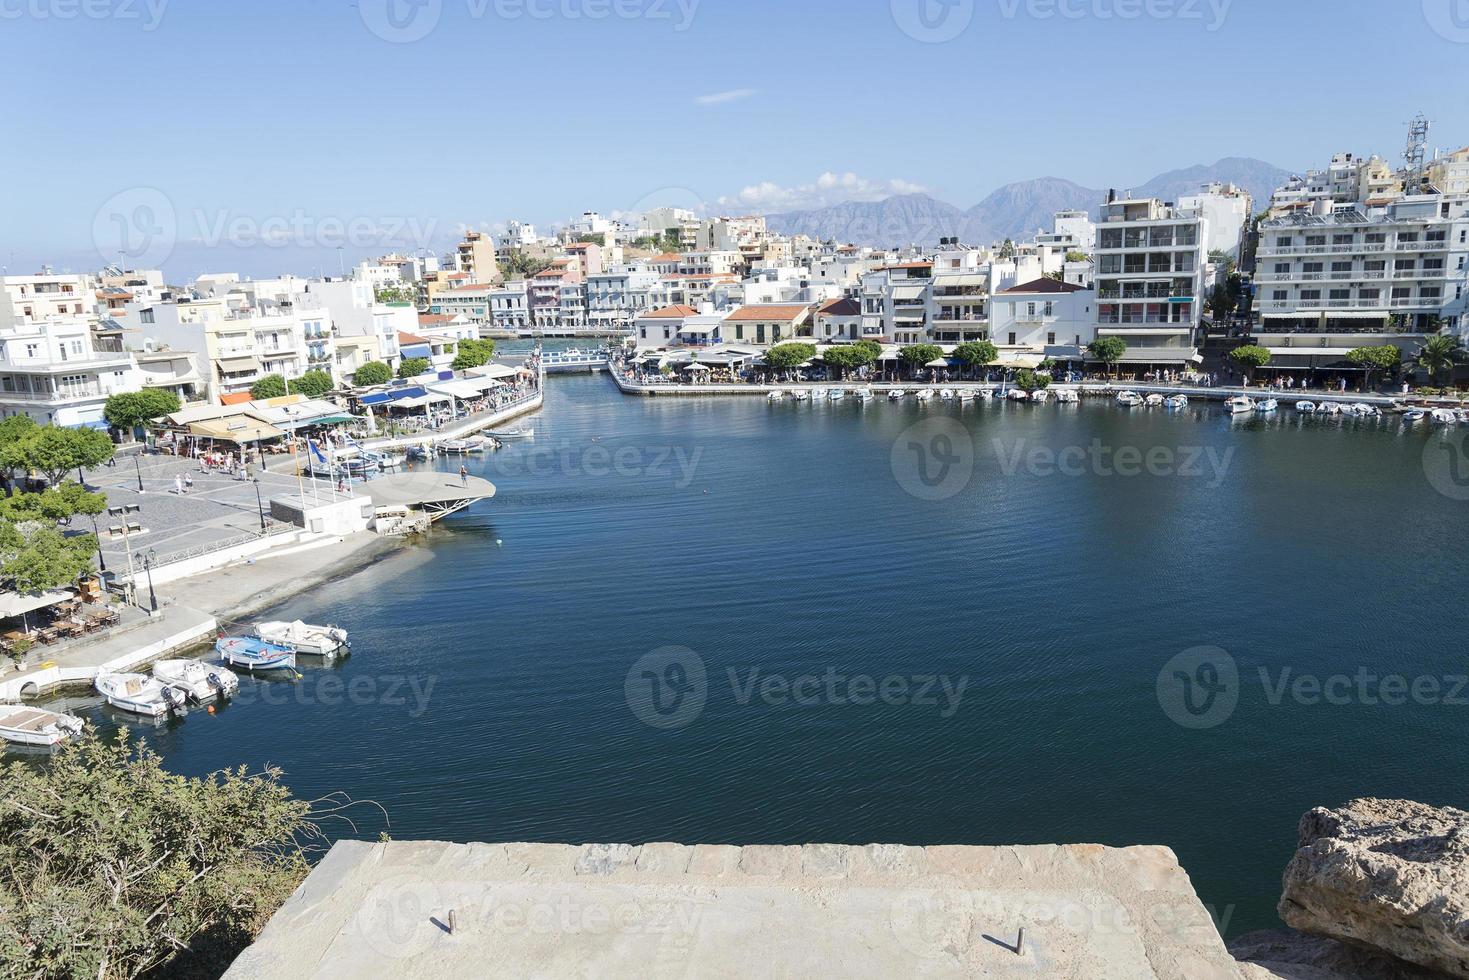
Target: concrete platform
(425,909)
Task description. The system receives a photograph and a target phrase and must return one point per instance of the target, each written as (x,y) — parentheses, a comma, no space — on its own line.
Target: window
(1012,337)
(1051,339)
(1050,309)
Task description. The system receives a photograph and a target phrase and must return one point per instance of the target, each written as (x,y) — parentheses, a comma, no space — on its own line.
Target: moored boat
(1016,395)
(1444,416)
(24,725)
(1067,396)
(511,435)
(836,394)
(200,681)
(1305,406)
(255,654)
(1414,415)
(896,395)
(1266,405)
(776,396)
(1176,401)
(316,641)
(1329,408)
(1154,400)
(141,695)
(964,394)
(924,394)
(947,394)
(1239,405)
(1129,398)
(864,394)
(463,447)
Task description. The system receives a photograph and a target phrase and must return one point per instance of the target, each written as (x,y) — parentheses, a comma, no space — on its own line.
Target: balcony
(70,393)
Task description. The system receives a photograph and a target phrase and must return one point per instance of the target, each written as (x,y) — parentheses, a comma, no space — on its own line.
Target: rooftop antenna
(1417,149)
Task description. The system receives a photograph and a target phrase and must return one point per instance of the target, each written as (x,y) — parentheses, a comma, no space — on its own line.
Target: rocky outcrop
(1285,954)
(1390,875)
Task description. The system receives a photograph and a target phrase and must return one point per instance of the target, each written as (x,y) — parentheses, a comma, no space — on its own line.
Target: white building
(614,299)
(1227,210)
(44,295)
(52,371)
(1046,317)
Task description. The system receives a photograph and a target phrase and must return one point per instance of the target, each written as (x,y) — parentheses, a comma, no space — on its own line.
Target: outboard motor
(217,682)
(175,700)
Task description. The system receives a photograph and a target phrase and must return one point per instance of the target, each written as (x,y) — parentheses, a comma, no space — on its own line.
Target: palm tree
(1439,355)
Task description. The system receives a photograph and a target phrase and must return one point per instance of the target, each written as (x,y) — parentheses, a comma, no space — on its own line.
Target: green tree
(35,556)
(1108,350)
(1028,380)
(111,866)
(1077,257)
(131,410)
(14,431)
(312,384)
(1250,358)
(593,238)
(54,452)
(372,373)
(473,353)
(412,367)
(783,357)
(57,505)
(916,356)
(1221,302)
(1007,249)
(519,265)
(850,357)
(975,354)
(396,294)
(1375,359)
(1439,355)
(270,386)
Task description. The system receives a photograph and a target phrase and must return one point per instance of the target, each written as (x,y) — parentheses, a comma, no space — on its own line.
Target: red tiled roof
(784,311)
(237,398)
(432,318)
(846,306)
(1045,285)
(677,311)
(410,338)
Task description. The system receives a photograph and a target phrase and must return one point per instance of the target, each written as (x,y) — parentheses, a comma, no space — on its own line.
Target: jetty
(425,497)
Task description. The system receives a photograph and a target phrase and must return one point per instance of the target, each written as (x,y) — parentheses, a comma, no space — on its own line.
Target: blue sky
(217,126)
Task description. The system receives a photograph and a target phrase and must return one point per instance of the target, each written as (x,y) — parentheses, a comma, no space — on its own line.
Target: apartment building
(1071,231)
(1348,179)
(1227,210)
(836,321)
(1046,317)
(510,307)
(1329,281)
(1150,264)
(765,325)
(896,300)
(475,257)
(660,327)
(53,371)
(614,299)
(355,312)
(958,308)
(472,302)
(44,296)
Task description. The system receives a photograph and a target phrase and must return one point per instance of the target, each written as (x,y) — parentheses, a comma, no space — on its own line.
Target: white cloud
(828,189)
(721,98)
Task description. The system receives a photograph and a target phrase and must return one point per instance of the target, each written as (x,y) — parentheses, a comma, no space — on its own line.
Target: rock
(1284,954)
(1390,875)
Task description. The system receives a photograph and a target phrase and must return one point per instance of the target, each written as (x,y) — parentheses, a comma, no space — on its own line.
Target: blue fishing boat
(253,654)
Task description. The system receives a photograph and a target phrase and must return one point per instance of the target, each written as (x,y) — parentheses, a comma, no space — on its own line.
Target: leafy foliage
(372,373)
(917,355)
(270,386)
(783,357)
(412,367)
(1028,380)
(57,505)
(849,357)
(1439,355)
(14,431)
(131,409)
(473,354)
(1250,356)
(54,452)
(977,353)
(35,556)
(396,294)
(1375,359)
(111,866)
(312,384)
(519,265)
(1108,350)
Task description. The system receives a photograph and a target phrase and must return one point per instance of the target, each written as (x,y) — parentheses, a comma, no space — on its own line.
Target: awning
(376,398)
(240,429)
(422,401)
(95,424)
(695,328)
(908,292)
(457,389)
(1329,314)
(1027,361)
(238,365)
(20,603)
(493,371)
(1309,351)
(417,350)
(970,279)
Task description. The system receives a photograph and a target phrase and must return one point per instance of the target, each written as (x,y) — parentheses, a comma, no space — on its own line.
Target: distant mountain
(1014,211)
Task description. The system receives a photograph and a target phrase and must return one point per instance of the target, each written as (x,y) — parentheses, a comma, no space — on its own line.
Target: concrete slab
(426,909)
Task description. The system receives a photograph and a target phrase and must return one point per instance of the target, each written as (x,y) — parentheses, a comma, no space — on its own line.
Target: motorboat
(1176,401)
(896,395)
(1040,395)
(254,654)
(24,725)
(1266,405)
(1444,416)
(1462,414)
(316,641)
(201,682)
(1239,405)
(776,396)
(1129,398)
(1305,406)
(142,695)
(420,452)
(964,394)
(1016,395)
(1067,396)
(836,394)
(464,447)
(511,435)
(947,394)
(924,394)
(864,394)
(1365,410)
(1414,415)
(801,394)
(819,394)
(1154,400)
(1329,408)
(387,460)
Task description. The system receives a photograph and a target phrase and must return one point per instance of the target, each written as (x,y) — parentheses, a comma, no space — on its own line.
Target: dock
(430,493)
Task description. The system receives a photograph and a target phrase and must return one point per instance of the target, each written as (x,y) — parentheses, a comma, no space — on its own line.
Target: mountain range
(1014,211)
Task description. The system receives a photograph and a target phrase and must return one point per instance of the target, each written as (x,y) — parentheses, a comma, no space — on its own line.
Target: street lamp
(139,470)
(97,533)
(261,505)
(148,560)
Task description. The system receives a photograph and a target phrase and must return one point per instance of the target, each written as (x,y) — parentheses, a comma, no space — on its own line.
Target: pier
(426,497)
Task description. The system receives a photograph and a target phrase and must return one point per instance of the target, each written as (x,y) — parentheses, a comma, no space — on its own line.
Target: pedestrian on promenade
(178,484)
(188,482)
(463,474)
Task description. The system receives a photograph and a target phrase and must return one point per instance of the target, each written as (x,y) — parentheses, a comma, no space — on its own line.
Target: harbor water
(729,620)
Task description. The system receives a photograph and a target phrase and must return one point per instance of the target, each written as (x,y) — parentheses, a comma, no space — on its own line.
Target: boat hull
(255,655)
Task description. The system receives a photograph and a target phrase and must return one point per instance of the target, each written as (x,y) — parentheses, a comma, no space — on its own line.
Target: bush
(270,386)
(130,410)
(412,367)
(372,373)
(473,354)
(312,384)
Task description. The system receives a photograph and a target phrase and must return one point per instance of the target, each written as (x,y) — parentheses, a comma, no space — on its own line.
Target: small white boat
(24,725)
(1040,395)
(421,452)
(1305,406)
(141,695)
(1329,408)
(1067,396)
(1414,415)
(864,394)
(801,394)
(463,447)
(1266,405)
(776,396)
(387,461)
(200,681)
(1239,405)
(1129,398)
(964,394)
(818,394)
(836,394)
(254,654)
(924,394)
(1461,414)
(511,435)
(1176,401)
(896,395)
(1154,400)
(1445,416)
(316,641)
(947,394)
(1365,410)
(1016,395)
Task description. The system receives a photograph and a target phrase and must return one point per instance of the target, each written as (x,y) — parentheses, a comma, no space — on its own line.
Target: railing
(64,394)
(272,528)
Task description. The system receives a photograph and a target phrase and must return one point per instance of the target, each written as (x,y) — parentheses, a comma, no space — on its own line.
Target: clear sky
(193,130)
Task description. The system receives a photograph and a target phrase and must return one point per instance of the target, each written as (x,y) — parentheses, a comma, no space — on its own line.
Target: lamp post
(138,470)
(97,533)
(148,567)
(260,505)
